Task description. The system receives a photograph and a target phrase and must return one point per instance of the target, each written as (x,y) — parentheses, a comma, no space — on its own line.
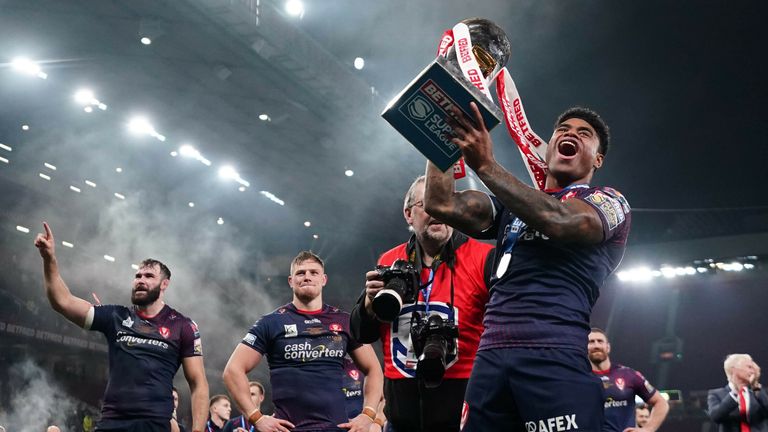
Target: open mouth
(567,148)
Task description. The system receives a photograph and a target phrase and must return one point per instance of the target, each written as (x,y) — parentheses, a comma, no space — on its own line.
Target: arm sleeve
(191,344)
(492,231)
(722,410)
(611,207)
(642,387)
(258,336)
(363,327)
(102,318)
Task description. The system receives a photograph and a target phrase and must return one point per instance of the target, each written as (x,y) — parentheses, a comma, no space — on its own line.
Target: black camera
(434,339)
(401,286)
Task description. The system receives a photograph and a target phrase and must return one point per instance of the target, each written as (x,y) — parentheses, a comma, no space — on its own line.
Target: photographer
(430,315)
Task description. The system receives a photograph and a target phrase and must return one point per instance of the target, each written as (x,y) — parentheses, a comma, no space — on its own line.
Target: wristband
(370,412)
(255,416)
(379,421)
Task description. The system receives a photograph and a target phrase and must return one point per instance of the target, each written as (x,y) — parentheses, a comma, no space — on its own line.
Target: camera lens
(388,302)
(431,367)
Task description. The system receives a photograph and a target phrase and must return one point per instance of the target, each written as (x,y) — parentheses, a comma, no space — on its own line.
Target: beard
(597,356)
(151,296)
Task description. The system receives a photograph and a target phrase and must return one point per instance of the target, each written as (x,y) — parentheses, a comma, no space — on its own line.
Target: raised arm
(572,220)
(469,211)
(61,299)
(194,372)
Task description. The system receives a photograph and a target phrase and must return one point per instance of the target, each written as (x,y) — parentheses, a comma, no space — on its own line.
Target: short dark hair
(149,262)
(594,120)
(217,398)
(599,330)
(306,256)
(642,406)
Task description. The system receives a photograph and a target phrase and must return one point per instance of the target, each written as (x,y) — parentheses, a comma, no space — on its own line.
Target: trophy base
(421,111)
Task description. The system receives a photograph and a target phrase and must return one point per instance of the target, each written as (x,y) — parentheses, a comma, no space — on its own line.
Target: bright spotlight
(294,8)
(315,236)
(142,126)
(187,150)
(191,204)
(307,224)
(229,173)
(28,67)
(264,117)
(118,170)
(88,109)
(349,173)
(220,221)
(25,127)
(146,41)
(359,63)
(84,97)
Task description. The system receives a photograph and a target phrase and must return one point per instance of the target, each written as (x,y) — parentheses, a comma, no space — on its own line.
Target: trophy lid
(489,44)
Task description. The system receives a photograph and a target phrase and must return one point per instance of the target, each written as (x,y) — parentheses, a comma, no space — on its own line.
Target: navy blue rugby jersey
(305,351)
(543,296)
(352,388)
(621,384)
(144,355)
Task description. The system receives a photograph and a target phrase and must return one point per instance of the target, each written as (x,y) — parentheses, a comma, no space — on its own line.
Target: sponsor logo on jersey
(553,424)
(304,352)
(195,330)
(352,393)
(250,339)
(198,350)
(128,322)
(137,341)
(620,383)
(290,330)
(312,321)
(335,327)
(164,332)
(355,374)
(611,403)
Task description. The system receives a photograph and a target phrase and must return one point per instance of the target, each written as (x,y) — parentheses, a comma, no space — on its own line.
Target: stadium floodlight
(27,66)
(187,150)
(295,8)
(272,197)
(141,126)
(359,63)
(87,100)
(228,172)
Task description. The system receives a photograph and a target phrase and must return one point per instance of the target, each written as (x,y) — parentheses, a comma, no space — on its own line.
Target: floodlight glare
(146,41)
(28,67)
(227,172)
(359,63)
(142,126)
(349,173)
(294,8)
(84,97)
(264,117)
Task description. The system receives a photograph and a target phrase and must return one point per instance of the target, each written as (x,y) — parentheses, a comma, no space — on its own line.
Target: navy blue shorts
(532,389)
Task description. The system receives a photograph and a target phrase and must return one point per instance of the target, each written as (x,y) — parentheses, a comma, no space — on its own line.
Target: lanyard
(426,290)
(242,424)
(512,231)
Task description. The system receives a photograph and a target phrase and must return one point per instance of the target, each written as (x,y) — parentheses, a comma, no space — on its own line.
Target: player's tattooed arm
(471,212)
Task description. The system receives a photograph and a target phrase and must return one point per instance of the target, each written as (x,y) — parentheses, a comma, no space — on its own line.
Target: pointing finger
(48,232)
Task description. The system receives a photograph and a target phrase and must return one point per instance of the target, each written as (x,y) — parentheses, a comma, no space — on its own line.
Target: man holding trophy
(555,243)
